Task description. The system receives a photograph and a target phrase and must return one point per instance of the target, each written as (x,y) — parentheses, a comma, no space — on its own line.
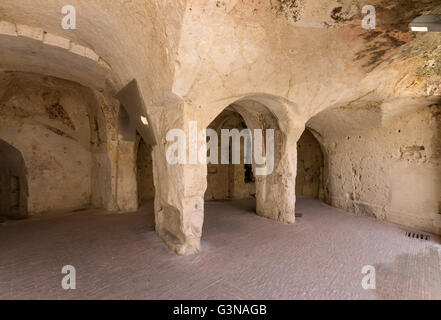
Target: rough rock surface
(284,65)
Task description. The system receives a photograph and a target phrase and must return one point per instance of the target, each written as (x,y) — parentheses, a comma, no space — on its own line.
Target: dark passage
(309,166)
(13,184)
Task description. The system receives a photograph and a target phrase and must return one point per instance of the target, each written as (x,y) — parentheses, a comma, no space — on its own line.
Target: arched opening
(47,119)
(310,166)
(250,147)
(144,165)
(57,107)
(13,183)
(231,180)
(144,178)
(63,134)
(376,165)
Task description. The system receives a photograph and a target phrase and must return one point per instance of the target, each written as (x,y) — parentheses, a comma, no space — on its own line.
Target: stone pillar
(275,193)
(127,184)
(180,188)
(104,147)
(114,183)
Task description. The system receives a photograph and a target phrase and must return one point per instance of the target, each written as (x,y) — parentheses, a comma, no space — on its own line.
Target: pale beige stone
(30,32)
(57,41)
(8,28)
(369,97)
(89,53)
(78,49)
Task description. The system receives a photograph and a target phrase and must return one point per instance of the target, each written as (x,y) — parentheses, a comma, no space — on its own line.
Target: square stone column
(180,187)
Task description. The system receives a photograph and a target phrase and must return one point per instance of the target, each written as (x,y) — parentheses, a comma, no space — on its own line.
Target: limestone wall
(391,171)
(144,164)
(281,62)
(49,125)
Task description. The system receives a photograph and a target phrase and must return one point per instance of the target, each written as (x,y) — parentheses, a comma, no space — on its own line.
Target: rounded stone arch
(35,49)
(275,190)
(232,180)
(144,170)
(179,207)
(63,58)
(97,132)
(324,151)
(285,111)
(13,183)
(333,125)
(31,49)
(310,165)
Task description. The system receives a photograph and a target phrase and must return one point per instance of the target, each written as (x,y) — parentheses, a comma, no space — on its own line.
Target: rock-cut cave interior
(87,113)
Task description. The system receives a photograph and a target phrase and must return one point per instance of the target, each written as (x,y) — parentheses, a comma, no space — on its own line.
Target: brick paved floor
(118,256)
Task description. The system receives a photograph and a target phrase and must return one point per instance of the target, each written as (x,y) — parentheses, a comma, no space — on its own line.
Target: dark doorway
(309,166)
(13,184)
(230,181)
(144,164)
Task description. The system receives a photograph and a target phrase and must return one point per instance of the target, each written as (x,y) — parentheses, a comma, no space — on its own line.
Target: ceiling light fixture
(426,23)
(144,120)
(419,29)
